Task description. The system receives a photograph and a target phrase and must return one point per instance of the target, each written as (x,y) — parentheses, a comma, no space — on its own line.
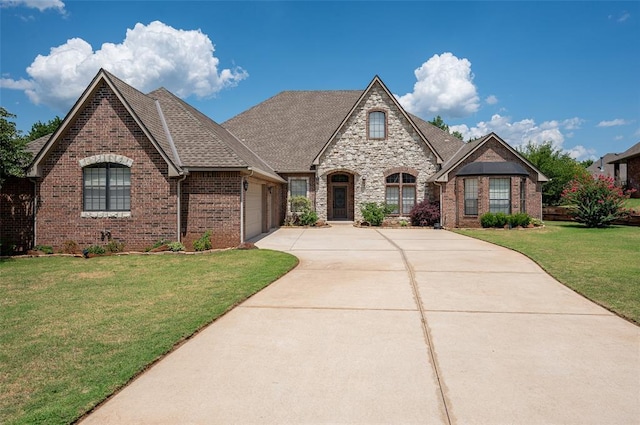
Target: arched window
(401,192)
(377,125)
(106,187)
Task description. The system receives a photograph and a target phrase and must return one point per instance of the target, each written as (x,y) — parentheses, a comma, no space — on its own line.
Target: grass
(633,203)
(73,331)
(601,264)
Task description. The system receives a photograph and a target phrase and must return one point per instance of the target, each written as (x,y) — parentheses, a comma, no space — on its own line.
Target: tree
(439,122)
(40,129)
(558,166)
(587,163)
(13,157)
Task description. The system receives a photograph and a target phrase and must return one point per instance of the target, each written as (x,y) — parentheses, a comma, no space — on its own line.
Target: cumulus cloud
(519,133)
(491,100)
(150,56)
(41,5)
(613,123)
(444,87)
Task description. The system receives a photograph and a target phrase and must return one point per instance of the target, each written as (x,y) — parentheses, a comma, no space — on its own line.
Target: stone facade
(453,190)
(369,161)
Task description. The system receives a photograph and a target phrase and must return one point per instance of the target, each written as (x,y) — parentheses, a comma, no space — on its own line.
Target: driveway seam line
(542,313)
(425,327)
(411,310)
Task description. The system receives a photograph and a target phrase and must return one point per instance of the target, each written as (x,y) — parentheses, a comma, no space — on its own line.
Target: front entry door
(339,202)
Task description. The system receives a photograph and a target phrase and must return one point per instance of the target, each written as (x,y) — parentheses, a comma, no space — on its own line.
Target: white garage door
(254,210)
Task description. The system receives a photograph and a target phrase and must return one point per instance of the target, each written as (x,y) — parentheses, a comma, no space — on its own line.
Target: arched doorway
(340,196)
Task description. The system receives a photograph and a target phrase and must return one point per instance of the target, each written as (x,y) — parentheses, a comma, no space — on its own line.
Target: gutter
(179,210)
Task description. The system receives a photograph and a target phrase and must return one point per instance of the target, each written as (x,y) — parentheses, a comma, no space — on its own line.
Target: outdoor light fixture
(245,185)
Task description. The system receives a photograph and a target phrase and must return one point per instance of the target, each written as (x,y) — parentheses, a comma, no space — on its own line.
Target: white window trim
(105,214)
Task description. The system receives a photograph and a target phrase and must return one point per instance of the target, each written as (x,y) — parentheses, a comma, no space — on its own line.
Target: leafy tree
(439,122)
(595,201)
(13,156)
(40,129)
(558,166)
(587,163)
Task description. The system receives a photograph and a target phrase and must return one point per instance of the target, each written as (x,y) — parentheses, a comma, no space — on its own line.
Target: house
(631,159)
(604,167)
(145,167)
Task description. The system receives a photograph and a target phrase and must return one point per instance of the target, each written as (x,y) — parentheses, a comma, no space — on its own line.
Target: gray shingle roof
(36,145)
(629,153)
(289,129)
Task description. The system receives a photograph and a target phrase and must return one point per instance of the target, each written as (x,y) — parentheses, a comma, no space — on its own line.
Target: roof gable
(375,82)
(136,104)
(632,152)
(469,148)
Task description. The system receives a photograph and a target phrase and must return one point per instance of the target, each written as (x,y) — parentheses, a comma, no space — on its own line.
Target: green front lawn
(73,331)
(633,203)
(601,264)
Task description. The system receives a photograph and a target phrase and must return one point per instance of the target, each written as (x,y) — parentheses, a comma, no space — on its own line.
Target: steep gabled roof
(444,143)
(633,151)
(468,148)
(289,129)
(203,144)
(376,82)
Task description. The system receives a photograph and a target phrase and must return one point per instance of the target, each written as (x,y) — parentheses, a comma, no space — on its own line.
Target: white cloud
(580,153)
(41,5)
(624,17)
(618,137)
(519,133)
(613,123)
(444,87)
(491,100)
(149,57)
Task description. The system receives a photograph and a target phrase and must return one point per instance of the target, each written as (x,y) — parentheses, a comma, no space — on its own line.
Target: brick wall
(103,126)
(633,175)
(16,215)
(211,201)
(453,190)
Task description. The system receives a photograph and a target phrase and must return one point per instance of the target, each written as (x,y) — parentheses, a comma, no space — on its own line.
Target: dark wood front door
(339,202)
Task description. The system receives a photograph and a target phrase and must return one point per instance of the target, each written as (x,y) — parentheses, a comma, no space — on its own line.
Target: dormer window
(377,121)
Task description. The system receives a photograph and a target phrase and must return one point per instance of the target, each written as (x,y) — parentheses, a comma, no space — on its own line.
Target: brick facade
(453,190)
(211,201)
(633,175)
(104,127)
(16,215)
(368,161)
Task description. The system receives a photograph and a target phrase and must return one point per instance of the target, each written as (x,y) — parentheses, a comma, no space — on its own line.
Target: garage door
(254,210)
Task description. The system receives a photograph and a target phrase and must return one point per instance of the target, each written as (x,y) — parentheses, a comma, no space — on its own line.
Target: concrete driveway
(397,327)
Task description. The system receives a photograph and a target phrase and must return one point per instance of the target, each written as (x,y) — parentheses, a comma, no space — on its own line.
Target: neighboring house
(631,159)
(145,167)
(604,167)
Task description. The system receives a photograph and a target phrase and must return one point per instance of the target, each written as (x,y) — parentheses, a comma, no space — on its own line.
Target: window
(470,196)
(298,187)
(401,192)
(500,195)
(339,178)
(107,187)
(523,195)
(377,125)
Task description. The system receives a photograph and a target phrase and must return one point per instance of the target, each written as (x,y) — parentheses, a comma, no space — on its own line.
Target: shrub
(175,246)
(595,201)
(537,222)
(488,220)
(300,204)
(502,219)
(93,249)
(302,212)
(47,249)
(7,247)
(70,247)
(115,246)
(519,219)
(374,213)
(308,218)
(425,213)
(158,244)
(202,244)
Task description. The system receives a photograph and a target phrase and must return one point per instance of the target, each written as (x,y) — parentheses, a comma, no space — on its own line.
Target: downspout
(441,209)
(242,195)
(34,210)
(179,192)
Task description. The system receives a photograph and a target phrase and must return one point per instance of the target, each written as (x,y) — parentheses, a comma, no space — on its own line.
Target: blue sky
(568,72)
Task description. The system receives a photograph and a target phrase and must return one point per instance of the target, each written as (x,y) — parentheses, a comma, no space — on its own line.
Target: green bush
(115,246)
(94,249)
(488,220)
(204,243)
(302,213)
(175,246)
(374,213)
(502,219)
(70,247)
(308,218)
(44,248)
(519,219)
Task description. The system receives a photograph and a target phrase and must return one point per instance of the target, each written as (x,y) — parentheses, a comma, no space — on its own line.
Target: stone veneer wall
(371,160)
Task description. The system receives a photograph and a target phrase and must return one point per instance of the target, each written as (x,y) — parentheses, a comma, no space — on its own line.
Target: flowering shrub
(425,214)
(374,213)
(595,201)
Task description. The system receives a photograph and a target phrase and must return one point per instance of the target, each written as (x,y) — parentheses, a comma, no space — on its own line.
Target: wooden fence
(561,214)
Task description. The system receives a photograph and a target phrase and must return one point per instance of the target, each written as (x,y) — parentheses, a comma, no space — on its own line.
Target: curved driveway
(397,327)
